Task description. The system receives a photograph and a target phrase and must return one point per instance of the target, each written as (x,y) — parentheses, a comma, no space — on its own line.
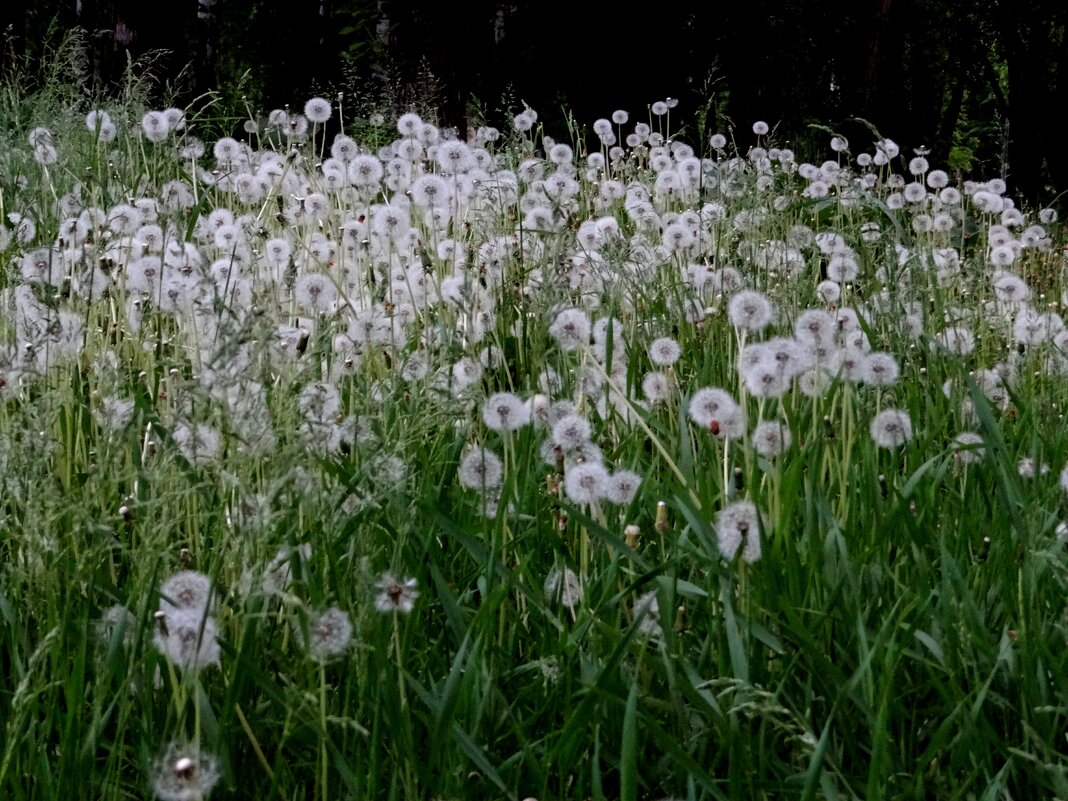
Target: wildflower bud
(882,484)
(630,533)
(661,524)
(1013,634)
(185,559)
(150,447)
(184,768)
(161,622)
(561,523)
(739,479)
(828,427)
(680,619)
(125,513)
(984,549)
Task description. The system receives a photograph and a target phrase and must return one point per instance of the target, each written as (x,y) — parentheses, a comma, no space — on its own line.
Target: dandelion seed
(396,595)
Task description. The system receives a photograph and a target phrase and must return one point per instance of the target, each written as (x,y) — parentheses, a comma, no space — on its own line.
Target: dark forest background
(980,83)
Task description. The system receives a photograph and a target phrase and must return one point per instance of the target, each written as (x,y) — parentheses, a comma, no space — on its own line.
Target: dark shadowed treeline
(976,82)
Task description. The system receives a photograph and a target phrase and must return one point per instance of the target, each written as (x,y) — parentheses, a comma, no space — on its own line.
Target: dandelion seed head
(891,428)
(481,469)
(564,587)
(184,773)
(329,634)
(396,594)
(504,411)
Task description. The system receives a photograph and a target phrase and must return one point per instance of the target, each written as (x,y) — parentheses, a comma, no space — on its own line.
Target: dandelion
(647,615)
(771,438)
(279,571)
(184,773)
(1064,478)
(505,412)
(571,329)
(622,487)
(481,469)
(966,448)
(715,409)
(738,527)
(199,444)
(764,378)
(880,370)
(155,127)
(760,128)
(188,590)
(750,310)
(329,634)
(957,340)
(571,431)
(396,595)
(664,352)
(1028,468)
(656,387)
(187,637)
(318,110)
(586,483)
(891,428)
(564,587)
(316,293)
(842,268)
(116,620)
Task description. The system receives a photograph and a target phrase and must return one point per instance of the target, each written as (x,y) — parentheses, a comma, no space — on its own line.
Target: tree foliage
(973,82)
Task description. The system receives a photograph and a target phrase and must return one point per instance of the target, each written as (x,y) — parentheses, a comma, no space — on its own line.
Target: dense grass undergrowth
(432,468)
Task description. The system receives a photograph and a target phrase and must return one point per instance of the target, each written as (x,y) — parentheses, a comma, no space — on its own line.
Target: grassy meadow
(349,459)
